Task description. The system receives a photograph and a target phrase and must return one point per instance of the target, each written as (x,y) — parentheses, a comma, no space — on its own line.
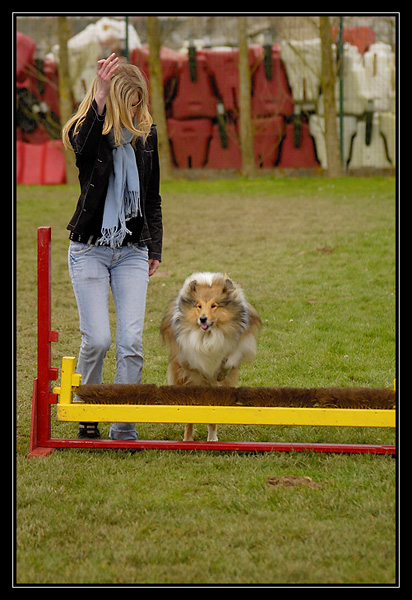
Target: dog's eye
(213,306)
(199,306)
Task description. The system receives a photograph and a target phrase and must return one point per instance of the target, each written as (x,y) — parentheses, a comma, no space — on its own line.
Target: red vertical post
(42,396)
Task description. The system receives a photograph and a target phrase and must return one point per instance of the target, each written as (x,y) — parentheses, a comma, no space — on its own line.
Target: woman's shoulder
(151,140)
(153,134)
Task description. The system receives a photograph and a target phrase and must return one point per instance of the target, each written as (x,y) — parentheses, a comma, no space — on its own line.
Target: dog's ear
(229,285)
(188,297)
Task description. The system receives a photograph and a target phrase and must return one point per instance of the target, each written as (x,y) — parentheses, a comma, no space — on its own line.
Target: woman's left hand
(153,266)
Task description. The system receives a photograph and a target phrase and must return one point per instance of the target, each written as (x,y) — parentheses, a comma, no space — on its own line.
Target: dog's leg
(212,433)
(189,429)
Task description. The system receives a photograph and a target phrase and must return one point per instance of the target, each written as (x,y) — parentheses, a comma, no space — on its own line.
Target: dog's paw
(223,373)
(212,433)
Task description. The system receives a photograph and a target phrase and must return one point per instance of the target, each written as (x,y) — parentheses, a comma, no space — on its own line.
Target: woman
(116,230)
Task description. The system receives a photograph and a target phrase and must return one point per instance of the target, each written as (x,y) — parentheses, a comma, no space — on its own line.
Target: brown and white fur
(210,329)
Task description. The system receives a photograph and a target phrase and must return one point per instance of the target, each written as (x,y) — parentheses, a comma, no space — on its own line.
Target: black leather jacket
(94,161)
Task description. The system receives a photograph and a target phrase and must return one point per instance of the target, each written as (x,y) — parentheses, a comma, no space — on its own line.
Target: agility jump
(346,407)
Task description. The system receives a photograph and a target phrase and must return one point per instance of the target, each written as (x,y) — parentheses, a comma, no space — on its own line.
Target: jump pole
(42,395)
(41,443)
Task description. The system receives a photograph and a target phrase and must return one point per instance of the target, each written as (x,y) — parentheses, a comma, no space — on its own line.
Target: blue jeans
(93,270)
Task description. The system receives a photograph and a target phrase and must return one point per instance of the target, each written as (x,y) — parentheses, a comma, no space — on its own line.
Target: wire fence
(199,58)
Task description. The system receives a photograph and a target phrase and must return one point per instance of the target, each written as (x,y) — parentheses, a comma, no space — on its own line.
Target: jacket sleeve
(86,142)
(153,208)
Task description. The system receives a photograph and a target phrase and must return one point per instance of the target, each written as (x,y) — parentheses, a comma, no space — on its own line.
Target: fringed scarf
(123,193)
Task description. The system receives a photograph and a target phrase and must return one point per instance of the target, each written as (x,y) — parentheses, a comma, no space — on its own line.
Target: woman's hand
(105,69)
(153,266)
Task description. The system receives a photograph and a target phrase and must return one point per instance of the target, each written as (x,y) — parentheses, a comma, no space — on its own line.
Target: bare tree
(65,94)
(157,96)
(245,102)
(328,89)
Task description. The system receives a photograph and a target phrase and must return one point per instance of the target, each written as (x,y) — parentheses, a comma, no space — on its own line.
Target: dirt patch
(326,249)
(293,481)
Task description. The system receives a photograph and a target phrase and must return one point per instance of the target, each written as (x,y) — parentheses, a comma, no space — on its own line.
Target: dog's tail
(255,322)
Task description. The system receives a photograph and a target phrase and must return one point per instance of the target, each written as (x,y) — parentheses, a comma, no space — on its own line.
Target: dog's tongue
(204,326)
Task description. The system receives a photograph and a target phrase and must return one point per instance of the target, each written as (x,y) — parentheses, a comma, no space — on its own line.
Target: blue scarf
(122,201)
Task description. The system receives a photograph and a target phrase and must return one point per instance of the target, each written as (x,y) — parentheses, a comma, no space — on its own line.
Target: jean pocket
(143,250)
(79,249)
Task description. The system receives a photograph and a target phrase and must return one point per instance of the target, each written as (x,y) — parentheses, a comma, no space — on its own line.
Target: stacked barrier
(201,91)
(41,164)
(369,107)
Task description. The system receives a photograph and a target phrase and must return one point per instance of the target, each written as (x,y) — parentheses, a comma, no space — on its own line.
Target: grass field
(317,259)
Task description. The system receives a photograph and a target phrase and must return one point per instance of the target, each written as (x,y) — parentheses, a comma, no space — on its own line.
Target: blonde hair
(127,81)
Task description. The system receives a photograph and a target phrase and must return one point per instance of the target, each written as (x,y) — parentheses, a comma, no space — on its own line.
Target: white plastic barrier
(379,63)
(303,61)
(368,81)
(372,155)
(317,130)
(355,96)
(387,127)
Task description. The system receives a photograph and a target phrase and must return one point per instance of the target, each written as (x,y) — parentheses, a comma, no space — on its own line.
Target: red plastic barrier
(40,164)
(54,163)
(361,37)
(25,48)
(302,155)
(37,136)
(224,158)
(268,135)
(194,98)
(224,66)
(19,160)
(29,163)
(271,96)
(40,77)
(51,85)
(190,140)
(168,58)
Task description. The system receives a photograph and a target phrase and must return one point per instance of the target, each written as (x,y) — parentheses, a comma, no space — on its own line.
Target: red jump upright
(42,395)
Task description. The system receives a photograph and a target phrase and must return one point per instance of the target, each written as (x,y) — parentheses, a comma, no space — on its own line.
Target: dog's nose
(203,320)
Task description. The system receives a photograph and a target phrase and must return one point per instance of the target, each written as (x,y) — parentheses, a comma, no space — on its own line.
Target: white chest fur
(204,351)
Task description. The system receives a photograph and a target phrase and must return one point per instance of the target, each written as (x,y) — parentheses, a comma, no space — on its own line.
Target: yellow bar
(131,413)
(69,380)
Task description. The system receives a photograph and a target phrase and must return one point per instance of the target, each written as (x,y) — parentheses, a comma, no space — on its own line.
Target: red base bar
(40,451)
(221,446)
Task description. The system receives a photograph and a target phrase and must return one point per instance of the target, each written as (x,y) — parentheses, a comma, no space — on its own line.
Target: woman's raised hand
(105,69)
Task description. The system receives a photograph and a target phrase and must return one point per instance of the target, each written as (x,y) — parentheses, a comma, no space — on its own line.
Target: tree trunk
(65,95)
(245,102)
(157,97)
(328,90)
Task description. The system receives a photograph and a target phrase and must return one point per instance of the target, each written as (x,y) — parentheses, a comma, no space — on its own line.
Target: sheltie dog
(210,329)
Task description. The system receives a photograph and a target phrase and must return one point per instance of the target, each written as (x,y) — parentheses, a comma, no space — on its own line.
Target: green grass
(317,259)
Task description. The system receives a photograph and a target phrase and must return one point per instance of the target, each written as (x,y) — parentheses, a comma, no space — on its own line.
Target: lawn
(317,259)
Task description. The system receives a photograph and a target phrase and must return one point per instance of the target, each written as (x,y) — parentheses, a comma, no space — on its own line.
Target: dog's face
(209,306)
(207,312)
